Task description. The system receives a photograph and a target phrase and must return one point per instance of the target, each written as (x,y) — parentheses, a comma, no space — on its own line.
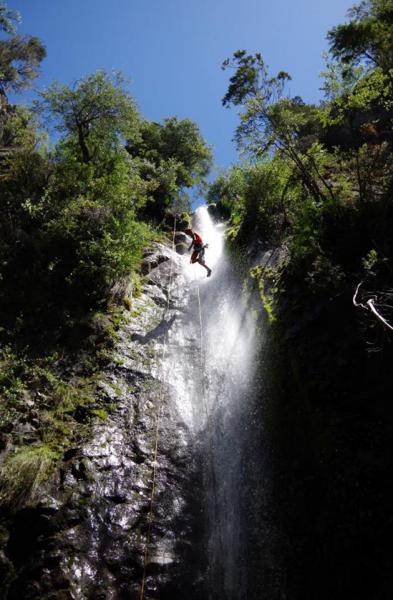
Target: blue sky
(172,49)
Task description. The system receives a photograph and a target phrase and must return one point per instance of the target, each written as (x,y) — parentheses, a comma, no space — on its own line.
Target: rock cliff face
(98,529)
(170,490)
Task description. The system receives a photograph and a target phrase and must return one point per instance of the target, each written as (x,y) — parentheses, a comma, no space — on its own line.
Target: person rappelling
(198,246)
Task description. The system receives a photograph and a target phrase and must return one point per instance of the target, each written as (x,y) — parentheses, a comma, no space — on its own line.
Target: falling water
(210,366)
(159,503)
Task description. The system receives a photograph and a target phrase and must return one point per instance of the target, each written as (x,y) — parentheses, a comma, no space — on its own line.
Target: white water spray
(210,366)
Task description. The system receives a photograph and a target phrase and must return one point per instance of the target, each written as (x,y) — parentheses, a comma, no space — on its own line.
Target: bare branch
(355,303)
(370,303)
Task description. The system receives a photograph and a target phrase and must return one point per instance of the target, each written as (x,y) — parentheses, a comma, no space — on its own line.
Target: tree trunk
(83,145)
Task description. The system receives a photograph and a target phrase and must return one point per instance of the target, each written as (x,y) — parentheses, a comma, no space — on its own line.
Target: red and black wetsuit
(197,245)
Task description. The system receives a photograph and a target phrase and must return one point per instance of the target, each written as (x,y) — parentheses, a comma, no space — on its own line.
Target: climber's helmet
(188,231)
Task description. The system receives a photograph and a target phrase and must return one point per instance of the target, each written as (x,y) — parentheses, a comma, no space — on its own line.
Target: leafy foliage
(320,178)
(313,206)
(368,37)
(8,18)
(70,219)
(96,115)
(75,216)
(20,56)
(271,122)
(176,156)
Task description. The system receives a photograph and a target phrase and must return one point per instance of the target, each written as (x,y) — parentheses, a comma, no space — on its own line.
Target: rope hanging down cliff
(156,436)
(157,427)
(208,416)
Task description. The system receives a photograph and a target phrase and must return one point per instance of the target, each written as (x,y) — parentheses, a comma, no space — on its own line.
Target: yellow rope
(157,431)
(157,437)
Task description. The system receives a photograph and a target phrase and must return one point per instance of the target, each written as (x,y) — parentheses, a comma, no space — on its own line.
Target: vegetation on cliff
(317,186)
(85,184)
(319,178)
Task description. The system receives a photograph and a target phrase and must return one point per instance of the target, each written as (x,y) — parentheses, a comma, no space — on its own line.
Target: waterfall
(159,501)
(210,366)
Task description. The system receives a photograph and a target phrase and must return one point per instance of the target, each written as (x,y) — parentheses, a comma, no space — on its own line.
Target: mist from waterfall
(210,368)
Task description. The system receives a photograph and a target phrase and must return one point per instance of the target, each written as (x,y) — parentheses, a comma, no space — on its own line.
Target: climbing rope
(200,333)
(157,426)
(208,419)
(209,427)
(157,435)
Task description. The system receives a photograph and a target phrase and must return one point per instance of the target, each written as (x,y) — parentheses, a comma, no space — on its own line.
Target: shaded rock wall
(330,422)
(85,535)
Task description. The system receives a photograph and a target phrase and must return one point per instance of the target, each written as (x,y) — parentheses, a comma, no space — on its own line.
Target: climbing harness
(203,250)
(156,437)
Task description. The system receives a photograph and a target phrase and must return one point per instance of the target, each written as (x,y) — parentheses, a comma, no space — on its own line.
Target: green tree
(175,155)
(339,78)
(20,56)
(227,190)
(8,19)
(272,122)
(263,199)
(69,227)
(97,113)
(367,37)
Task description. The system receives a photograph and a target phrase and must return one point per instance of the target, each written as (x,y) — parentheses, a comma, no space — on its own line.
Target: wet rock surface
(97,530)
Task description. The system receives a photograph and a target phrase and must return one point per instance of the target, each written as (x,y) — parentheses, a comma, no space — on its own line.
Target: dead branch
(370,305)
(358,304)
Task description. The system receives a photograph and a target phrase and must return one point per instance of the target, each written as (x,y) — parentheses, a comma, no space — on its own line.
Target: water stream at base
(210,366)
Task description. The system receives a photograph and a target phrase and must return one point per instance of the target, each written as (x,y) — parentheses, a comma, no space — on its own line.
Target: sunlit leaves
(98,113)
(339,77)
(251,79)
(367,37)
(173,154)
(20,58)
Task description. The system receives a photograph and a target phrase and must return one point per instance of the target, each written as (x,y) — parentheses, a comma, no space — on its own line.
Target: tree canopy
(97,113)
(20,56)
(76,212)
(317,179)
(176,154)
(367,37)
